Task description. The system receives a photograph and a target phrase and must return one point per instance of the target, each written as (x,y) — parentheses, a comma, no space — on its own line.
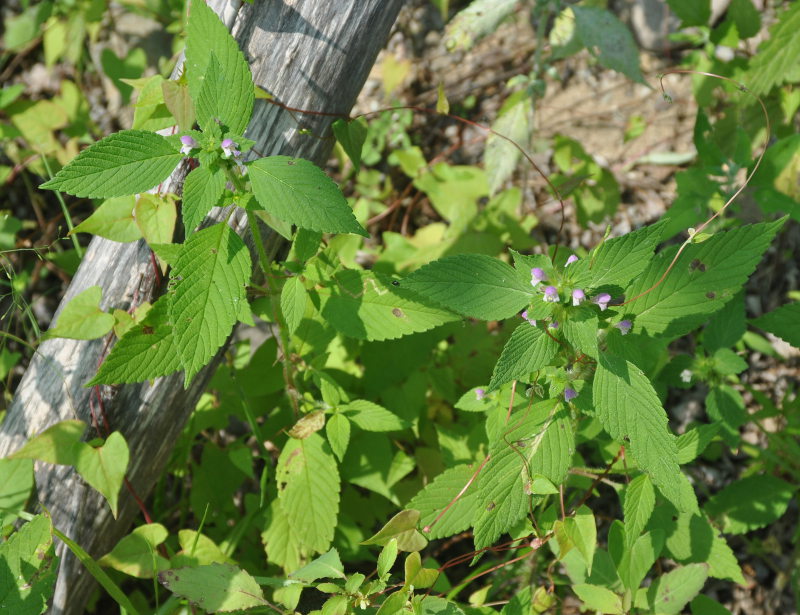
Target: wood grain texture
(308,55)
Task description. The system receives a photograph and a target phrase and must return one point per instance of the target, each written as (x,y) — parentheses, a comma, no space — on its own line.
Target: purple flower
(537,275)
(229,148)
(551,294)
(532,321)
(188,144)
(572,258)
(578,296)
(624,326)
(480,394)
(602,300)
(570,394)
(554,324)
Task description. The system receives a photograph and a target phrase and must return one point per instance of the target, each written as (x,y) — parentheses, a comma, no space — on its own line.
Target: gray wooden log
(309,55)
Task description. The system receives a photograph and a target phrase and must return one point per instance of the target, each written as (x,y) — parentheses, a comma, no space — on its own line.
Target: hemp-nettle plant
(212,268)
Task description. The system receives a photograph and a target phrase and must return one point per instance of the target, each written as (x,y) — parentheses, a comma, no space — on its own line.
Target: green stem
(65,211)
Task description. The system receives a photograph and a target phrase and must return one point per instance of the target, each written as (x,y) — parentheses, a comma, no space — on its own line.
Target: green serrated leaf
(104,467)
(127,162)
(370,416)
(474,285)
(777,55)
(783,322)
(297,191)
(326,566)
(441,493)
(539,442)
(607,37)
(82,318)
(294,299)
(750,503)
(692,443)
(599,599)
(145,352)
(351,135)
(136,554)
(614,263)
(201,191)
(366,305)
(582,531)
(217,588)
(214,267)
(640,501)
(639,558)
(281,542)
(387,557)
(580,328)
(112,220)
(59,443)
(528,349)
(690,538)
(28,573)
(207,36)
(337,429)
(629,409)
(673,590)
(308,490)
(212,94)
(705,277)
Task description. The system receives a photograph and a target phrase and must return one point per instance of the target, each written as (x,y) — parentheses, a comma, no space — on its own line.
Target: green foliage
(601,30)
(220,82)
(750,503)
(473,285)
(28,574)
(629,409)
(82,318)
(214,267)
(783,323)
(347,436)
(295,191)
(777,55)
(124,163)
(308,491)
(219,588)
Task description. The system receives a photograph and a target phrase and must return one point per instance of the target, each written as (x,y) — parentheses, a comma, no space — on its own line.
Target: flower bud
(572,258)
(480,394)
(570,394)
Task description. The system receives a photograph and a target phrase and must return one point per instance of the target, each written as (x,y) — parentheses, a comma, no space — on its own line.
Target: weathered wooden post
(308,55)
